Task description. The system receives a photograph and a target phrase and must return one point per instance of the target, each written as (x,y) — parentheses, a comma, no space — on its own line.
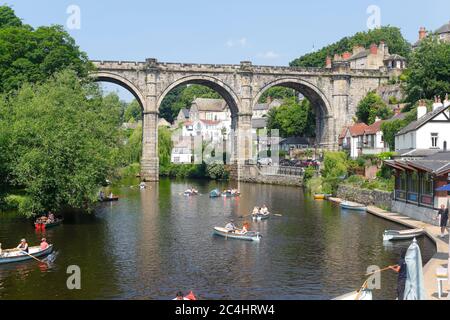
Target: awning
(444,188)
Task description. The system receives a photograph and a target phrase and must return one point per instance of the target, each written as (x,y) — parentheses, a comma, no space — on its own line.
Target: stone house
(443,34)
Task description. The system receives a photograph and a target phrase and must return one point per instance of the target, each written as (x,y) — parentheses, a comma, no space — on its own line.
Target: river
(155,242)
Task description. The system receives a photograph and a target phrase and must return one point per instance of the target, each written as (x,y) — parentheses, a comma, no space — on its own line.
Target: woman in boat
(44,244)
(264,210)
(23,245)
(244,229)
(255,211)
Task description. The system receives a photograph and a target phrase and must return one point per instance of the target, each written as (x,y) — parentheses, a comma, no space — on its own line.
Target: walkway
(440,259)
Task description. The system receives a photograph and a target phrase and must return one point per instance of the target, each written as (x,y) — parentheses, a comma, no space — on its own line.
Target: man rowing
(231,227)
(23,245)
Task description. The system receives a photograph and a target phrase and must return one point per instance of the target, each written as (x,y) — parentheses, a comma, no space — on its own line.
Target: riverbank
(439,259)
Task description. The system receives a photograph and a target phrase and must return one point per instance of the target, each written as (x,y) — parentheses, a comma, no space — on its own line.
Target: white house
(431,130)
(182,153)
(360,139)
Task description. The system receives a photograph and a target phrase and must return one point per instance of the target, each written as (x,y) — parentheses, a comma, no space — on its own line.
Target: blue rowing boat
(15,255)
(215,193)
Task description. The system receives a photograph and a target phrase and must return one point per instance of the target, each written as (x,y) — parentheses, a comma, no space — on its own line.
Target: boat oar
(41,261)
(378,271)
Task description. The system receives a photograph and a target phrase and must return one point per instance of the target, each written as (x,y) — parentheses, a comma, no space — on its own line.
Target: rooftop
(213,105)
(423,120)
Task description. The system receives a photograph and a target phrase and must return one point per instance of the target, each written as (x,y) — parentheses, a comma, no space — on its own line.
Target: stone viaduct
(334,93)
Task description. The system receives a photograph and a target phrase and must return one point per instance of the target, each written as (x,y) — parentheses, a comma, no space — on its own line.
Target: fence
(281,171)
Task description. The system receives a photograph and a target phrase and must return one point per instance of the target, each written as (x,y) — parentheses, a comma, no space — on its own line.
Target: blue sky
(209,31)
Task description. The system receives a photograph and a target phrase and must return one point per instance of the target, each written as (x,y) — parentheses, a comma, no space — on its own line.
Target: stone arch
(213,83)
(317,98)
(104,76)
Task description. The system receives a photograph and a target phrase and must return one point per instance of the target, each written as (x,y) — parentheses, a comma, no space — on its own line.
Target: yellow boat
(319,197)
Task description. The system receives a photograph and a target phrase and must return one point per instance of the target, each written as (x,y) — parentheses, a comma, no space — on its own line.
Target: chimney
(437,103)
(346,55)
(328,62)
(421,109)
(422,33)
(373,49)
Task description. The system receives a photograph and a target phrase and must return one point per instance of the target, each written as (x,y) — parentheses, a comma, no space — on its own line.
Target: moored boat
(319,196)
(249,236)
(189,193)
(356,295)
(110,199)
(349,205)
(390,235)
(15,255)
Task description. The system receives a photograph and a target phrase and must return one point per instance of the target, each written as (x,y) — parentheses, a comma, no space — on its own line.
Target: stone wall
(378,198)
(251,174)
(424,214)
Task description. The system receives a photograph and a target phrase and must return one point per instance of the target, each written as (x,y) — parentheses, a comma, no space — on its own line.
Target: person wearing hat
(23,245)
(44,244)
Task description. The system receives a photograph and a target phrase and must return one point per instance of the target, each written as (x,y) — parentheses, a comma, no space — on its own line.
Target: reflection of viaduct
(334,93)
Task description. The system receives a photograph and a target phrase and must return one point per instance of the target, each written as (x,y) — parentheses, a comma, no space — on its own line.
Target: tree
(133,112)
(292,118)
(8,18)
(63,141)
(371,107)
(277,92)
(165,146)
(33,55)
(429,70)
(392,36)
(116,106)
(391,128)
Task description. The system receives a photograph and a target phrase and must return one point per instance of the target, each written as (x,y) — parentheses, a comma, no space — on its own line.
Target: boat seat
(441,276)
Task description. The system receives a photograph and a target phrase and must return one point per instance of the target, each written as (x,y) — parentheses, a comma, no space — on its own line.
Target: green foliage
(165,146)
(131,149)
(277,92)
(335,170)
(391,35)
(217,171)
(371,107)
(310,172)
(33,55)
(182,97)
(292,118)
(393,100)
(8,18)
(429,70)
(63,140)
(183,171)
(133,112)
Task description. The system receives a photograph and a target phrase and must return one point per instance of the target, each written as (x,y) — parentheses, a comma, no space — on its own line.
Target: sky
(210,31)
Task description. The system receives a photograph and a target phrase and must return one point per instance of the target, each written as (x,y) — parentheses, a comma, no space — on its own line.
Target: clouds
(242,43)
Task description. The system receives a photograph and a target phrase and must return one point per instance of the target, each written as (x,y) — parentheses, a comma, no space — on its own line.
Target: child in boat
(244,229)
(44,244)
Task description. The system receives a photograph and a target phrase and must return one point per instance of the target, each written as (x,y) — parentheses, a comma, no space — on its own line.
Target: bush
(217,171)
(183,171)
(310,173)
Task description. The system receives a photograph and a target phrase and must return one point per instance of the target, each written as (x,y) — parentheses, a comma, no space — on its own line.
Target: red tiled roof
(358,129)
(343,132)
(188,123)
(374,128)
(210,122)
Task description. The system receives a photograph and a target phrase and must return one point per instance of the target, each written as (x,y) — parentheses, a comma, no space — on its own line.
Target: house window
(434,140)
(427,184)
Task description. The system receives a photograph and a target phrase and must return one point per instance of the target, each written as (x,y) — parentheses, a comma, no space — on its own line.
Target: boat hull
(354,207)
(48,225)
(222,232)
(260,217)
(110,199)
(395,235)
(319,197)
(364,295)
(35,251)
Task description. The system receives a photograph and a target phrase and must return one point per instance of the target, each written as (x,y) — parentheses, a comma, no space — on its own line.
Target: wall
(419,213)
(378,198)
(250,173)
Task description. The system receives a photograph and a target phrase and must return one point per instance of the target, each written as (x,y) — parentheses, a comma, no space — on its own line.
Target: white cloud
(242,42)
(269,55)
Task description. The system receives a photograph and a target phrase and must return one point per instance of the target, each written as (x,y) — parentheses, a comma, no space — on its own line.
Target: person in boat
(101,195)
(443,219)
(401,269)
(264,210)
(244,229)
(51,217)
(180,296)
(111,195)
(23,245)
(0,249)
(44,244)
(231,226)
(255,211)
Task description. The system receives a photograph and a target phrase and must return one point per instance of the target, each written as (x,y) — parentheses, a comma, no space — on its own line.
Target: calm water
(155,242)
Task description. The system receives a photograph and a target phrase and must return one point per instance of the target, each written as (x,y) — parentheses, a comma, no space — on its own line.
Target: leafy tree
(116,106)
(334,171)
(8,18)
(165,146)
(371,107)
(33,55)
(292,118)
(392,36)
(133,112)
(277,92)
(63,139)
(429,70)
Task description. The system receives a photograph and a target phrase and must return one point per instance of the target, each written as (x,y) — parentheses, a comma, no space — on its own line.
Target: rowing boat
(349,205)
(389,235)
(356,295)
(249,236)
(215,194)
(260,217)
(15,255)
(108,199)
(319,197)
(229,194)
(189,193)
(48,225)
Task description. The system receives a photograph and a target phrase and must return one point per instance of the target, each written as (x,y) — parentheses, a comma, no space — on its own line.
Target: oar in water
(381,270)
(41,261)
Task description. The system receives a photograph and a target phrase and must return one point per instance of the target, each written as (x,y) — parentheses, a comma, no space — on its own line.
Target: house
(182,152)
(431,130)
(163,123)
(183,116)
(361,139)
(416,181)
(293,143)
(374,58)
(262,109)
(443,33)
(210,109)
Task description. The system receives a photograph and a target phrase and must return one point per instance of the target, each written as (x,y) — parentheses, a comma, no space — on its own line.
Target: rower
(44,244)
(255,211)
(230,226)
(51,217)
(111,195)
(264,210)
(244,229)
(23,245)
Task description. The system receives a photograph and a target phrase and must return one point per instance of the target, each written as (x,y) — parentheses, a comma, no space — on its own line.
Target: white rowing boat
(356,295)
(249,236)
(390,235)
(349,205)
